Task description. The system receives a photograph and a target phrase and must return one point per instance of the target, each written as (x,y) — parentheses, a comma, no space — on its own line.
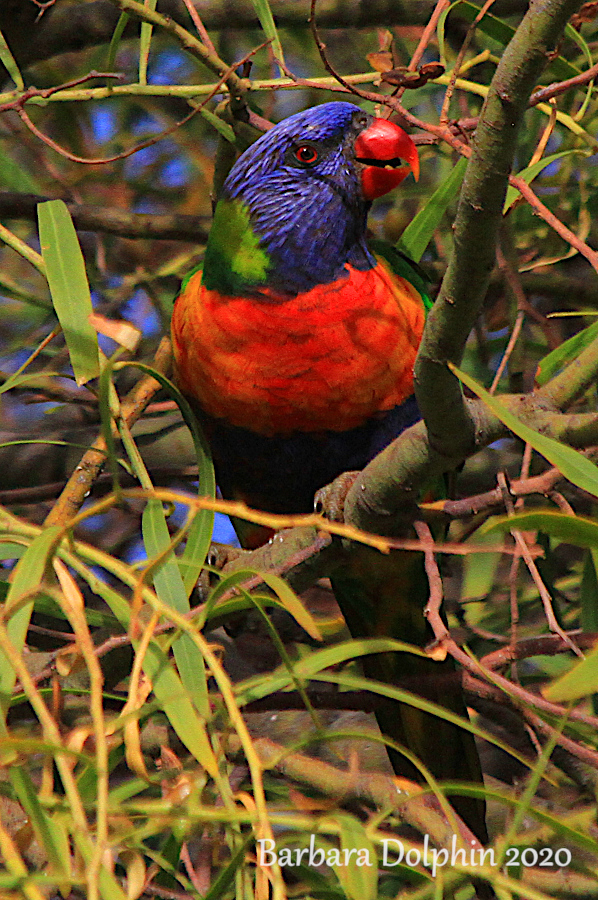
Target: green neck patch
(234,260)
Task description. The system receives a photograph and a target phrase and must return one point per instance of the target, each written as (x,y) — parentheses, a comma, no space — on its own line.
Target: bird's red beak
(381,148)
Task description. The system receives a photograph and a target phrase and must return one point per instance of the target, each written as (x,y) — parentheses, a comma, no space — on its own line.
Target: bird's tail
(384,596)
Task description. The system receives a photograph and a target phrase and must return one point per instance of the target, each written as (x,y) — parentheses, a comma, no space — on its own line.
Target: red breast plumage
(325,359)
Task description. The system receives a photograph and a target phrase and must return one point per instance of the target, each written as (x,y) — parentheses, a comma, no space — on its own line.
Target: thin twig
(533,570)
(434,604)
(150,142)
(426,35)
(201,30)
(46,93)
(475,688)
(558,226)
(424,40)
(508,350)
(456,68)
(560,87)
(538,484)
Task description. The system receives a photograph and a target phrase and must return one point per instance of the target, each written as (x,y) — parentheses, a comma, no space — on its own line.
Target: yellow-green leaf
(419,232)
(576,530)
(10,64)
(264,13)
(358,869)
(566,352)
(145,41)
(51,837)
(27,577)
(572,464)
(580,681)
(170,588)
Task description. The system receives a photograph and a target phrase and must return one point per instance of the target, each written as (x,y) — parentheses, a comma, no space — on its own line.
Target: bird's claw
(330,500)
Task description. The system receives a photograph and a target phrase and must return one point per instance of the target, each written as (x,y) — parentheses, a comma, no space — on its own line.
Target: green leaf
(588,598)
(145,41)
(420,230)
(530,173)
(27,576)
(14,176)
(9,550)
(589,592)
(52,838)
(572,464)
(257,687)
(179,709)
(115,42)
(65,271)
(479,571)
(226,875)
(565,353)
(574,35)
(577,530)
(440,31)
(167,578)
(358,871)
(580,681)
(199,538)
(10,64)
(287,597)
(170,588)
(264,14)
(501,32)
(490,25)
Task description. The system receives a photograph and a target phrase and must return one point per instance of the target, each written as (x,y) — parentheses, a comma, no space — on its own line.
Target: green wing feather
(405,268)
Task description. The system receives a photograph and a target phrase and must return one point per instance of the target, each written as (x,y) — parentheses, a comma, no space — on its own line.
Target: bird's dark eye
(306,154)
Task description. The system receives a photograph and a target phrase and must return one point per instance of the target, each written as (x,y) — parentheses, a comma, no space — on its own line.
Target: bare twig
(426,35)
(46,93)
(533,570)
(96,161)
(434,604)
(561,87)
(424,40)
(133,405)
(461,56)
(555,223)
(201,30)
(508,350)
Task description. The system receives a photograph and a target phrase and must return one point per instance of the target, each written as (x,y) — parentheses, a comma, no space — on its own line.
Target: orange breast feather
(328,359)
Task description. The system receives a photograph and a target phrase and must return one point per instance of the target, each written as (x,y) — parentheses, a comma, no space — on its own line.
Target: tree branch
(73,26)
(454,426)
(479,214)
(177,227)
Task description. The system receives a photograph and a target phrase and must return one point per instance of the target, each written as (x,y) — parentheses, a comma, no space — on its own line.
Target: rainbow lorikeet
(296,345)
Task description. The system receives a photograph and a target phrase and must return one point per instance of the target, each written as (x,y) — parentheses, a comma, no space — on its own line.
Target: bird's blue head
(293,209)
